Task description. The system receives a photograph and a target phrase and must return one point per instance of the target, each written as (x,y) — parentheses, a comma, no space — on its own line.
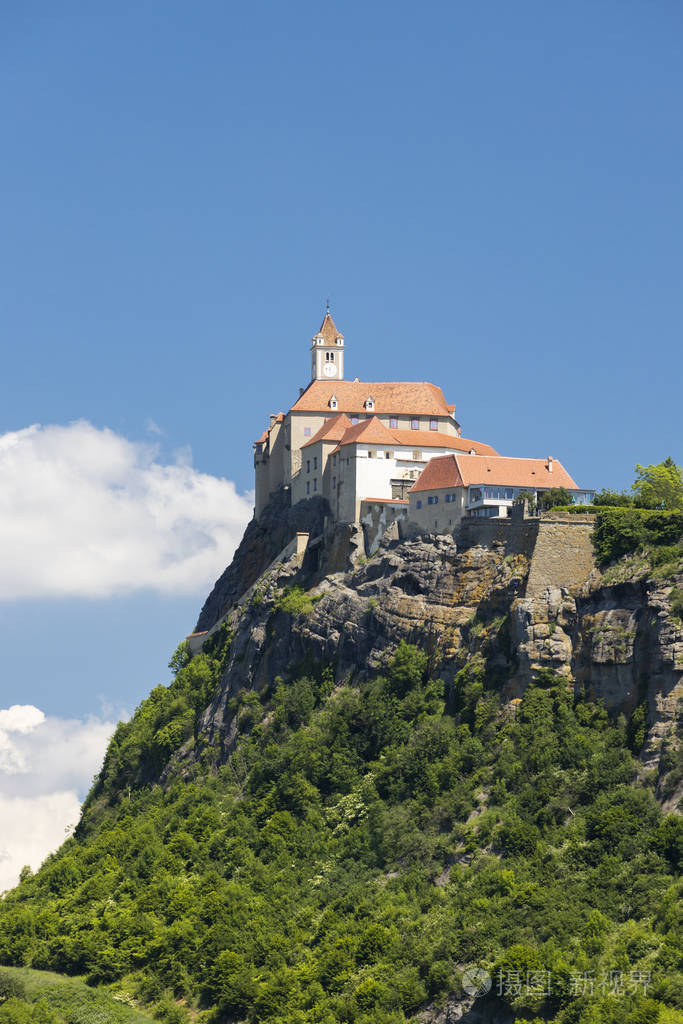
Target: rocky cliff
(617,642)
(263,540)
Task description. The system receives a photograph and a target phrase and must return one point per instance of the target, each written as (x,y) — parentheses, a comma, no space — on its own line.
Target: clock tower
(327,352)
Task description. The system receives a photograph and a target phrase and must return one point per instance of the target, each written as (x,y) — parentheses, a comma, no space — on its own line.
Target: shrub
(622,531)
(295,601)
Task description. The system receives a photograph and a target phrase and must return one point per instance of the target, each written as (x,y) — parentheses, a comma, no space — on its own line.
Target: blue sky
(489,194)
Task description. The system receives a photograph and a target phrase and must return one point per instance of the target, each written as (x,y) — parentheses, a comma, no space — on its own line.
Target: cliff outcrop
(618,643)
(263,540)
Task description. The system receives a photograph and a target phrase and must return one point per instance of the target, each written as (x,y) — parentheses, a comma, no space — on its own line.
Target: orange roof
(435,439)
(441,471)
(470,470)
(370,431)
(278,419)
(387,501)
(332,429)
(416,398)
(328,330)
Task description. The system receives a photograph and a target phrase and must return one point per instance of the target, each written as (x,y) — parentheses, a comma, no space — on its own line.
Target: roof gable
(332,429)
(441,471)
(370,431)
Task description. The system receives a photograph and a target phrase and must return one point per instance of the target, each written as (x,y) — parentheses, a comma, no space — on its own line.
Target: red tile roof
(435,439)
(387,501)
(328,329)
(332,429)
(416,398)
(370,431)
(441,471)
(470,470)
(373,431)
(278,419)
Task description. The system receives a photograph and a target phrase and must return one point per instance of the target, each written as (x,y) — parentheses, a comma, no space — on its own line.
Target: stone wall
(517,535)
(559,545)
(563,553)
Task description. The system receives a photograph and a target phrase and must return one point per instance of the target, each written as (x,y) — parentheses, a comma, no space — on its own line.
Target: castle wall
(563,553)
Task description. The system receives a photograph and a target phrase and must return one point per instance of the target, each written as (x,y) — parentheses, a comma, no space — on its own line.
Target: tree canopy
(659,486)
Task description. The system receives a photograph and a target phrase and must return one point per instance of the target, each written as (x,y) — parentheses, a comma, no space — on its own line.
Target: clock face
(330,370)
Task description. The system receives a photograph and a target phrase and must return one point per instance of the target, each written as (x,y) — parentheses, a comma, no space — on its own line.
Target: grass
(72,1000)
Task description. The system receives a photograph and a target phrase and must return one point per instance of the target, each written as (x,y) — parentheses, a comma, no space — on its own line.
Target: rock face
(616,643)
(263,540)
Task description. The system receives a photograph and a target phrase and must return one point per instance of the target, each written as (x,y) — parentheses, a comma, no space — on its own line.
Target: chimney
(550,464)
(301,391)
(273,417)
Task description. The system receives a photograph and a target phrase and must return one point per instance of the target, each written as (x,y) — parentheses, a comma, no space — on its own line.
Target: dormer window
(333,402)
(370,403)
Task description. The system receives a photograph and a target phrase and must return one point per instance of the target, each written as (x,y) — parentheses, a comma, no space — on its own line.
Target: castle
(397,444)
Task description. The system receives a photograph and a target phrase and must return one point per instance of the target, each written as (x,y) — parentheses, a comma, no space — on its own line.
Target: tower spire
(327,350)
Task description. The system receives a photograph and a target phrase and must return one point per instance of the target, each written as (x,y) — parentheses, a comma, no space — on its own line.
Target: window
(417,455)
(308,487)
(329,357)
(433,499)
(371,453)
(333,403)
(393,423)
(308,465)
(436,524)
(315,483)
(388,455)
(307,431)
(334,483)
(414,424)
(418,504)
(433,425)
(315,462)
(334,460)
(447,498)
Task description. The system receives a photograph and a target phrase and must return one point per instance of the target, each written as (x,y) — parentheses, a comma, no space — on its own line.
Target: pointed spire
(328,329)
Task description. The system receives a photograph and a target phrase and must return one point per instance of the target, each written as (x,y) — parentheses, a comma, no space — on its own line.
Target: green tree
(554,497)
(659,486)
(613,499)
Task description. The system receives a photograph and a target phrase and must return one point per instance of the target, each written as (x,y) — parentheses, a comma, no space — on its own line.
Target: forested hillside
(348,847)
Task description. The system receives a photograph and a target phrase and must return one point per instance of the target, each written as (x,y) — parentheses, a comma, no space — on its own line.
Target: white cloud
(46,767)
(86,512)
